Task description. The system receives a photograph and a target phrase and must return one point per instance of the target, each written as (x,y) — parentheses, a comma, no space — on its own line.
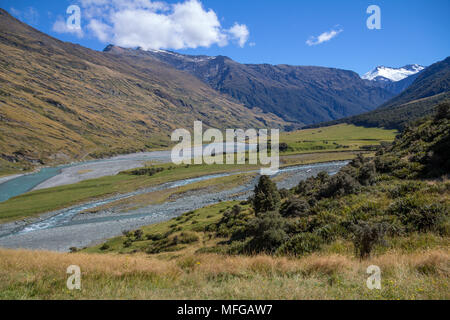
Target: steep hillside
(431,87)
(60,101)
(301,94)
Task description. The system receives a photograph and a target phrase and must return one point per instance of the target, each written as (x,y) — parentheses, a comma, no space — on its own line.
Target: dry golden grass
(42,275)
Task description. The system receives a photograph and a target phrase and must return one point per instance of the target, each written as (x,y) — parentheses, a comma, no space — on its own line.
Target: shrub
(146,171)
(185,238)
(232,224)
(155,237)
(365,236)
(442,112)
(283,147)
(294,207)
(425,218)
(138,235)
(127,233)
(301,244)
(339,185)
(284,193)
(266,196)
(367,174)
(104,247)
(127,243)
(419,215)
(268,232)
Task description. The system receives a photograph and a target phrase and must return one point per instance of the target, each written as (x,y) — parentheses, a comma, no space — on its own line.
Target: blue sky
(413,31)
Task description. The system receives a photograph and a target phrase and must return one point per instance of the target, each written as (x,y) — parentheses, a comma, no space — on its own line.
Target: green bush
(104,247)
(186,237)
(340,184)
(266,196)
(295,207)
(301,244)
(267,231)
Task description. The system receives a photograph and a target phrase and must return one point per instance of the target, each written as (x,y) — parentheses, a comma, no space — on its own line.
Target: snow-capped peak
(392,74)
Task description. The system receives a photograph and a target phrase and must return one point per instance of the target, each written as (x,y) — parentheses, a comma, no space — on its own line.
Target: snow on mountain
(392,74)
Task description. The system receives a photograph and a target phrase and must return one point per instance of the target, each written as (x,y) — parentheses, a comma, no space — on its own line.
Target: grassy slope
(41,201)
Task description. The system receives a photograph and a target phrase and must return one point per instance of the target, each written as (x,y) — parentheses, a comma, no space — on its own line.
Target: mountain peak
(388,74)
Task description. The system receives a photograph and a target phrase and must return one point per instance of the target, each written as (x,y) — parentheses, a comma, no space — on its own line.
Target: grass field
(339,137)
(27,275)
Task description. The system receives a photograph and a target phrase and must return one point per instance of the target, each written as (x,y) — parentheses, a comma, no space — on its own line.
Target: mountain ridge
(304,94)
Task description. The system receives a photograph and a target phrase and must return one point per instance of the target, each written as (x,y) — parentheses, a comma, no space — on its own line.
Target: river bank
(70,228)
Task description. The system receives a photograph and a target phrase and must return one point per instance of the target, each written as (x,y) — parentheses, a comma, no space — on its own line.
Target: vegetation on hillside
(373,203)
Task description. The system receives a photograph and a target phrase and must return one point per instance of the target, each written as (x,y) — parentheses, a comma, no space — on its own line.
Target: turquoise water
(25,183)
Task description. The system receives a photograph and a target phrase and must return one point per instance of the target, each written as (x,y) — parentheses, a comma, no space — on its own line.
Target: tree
(268,231)
(266,198)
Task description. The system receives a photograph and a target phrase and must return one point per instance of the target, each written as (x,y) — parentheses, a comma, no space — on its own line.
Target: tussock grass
(41,275)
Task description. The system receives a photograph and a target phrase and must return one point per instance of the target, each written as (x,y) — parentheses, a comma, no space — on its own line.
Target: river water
(67,228)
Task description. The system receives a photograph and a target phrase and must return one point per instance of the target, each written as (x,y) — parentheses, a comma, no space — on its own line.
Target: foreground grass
(27,275)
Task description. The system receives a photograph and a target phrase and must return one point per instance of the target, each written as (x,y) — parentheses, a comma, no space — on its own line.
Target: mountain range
(430,87)
(300,94)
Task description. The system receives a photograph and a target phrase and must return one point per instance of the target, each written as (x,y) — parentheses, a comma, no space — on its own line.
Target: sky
(326,33)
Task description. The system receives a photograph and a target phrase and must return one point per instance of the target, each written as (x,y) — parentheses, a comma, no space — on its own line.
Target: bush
(232,224)
(268,232)
(365,236)
(283,147)
(146,171)
(266,196)
(284,193)
(442,112)
(138,235)
(185,238)
(294,207)
(340,185)
(155,237)
(426,218)
(104,247)
(127,243)
(301,244)
(367,173)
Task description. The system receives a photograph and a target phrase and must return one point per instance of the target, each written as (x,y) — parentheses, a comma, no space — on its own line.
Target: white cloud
(100,30)
(241,33)
(158,25)
(60,26)
(324,37)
